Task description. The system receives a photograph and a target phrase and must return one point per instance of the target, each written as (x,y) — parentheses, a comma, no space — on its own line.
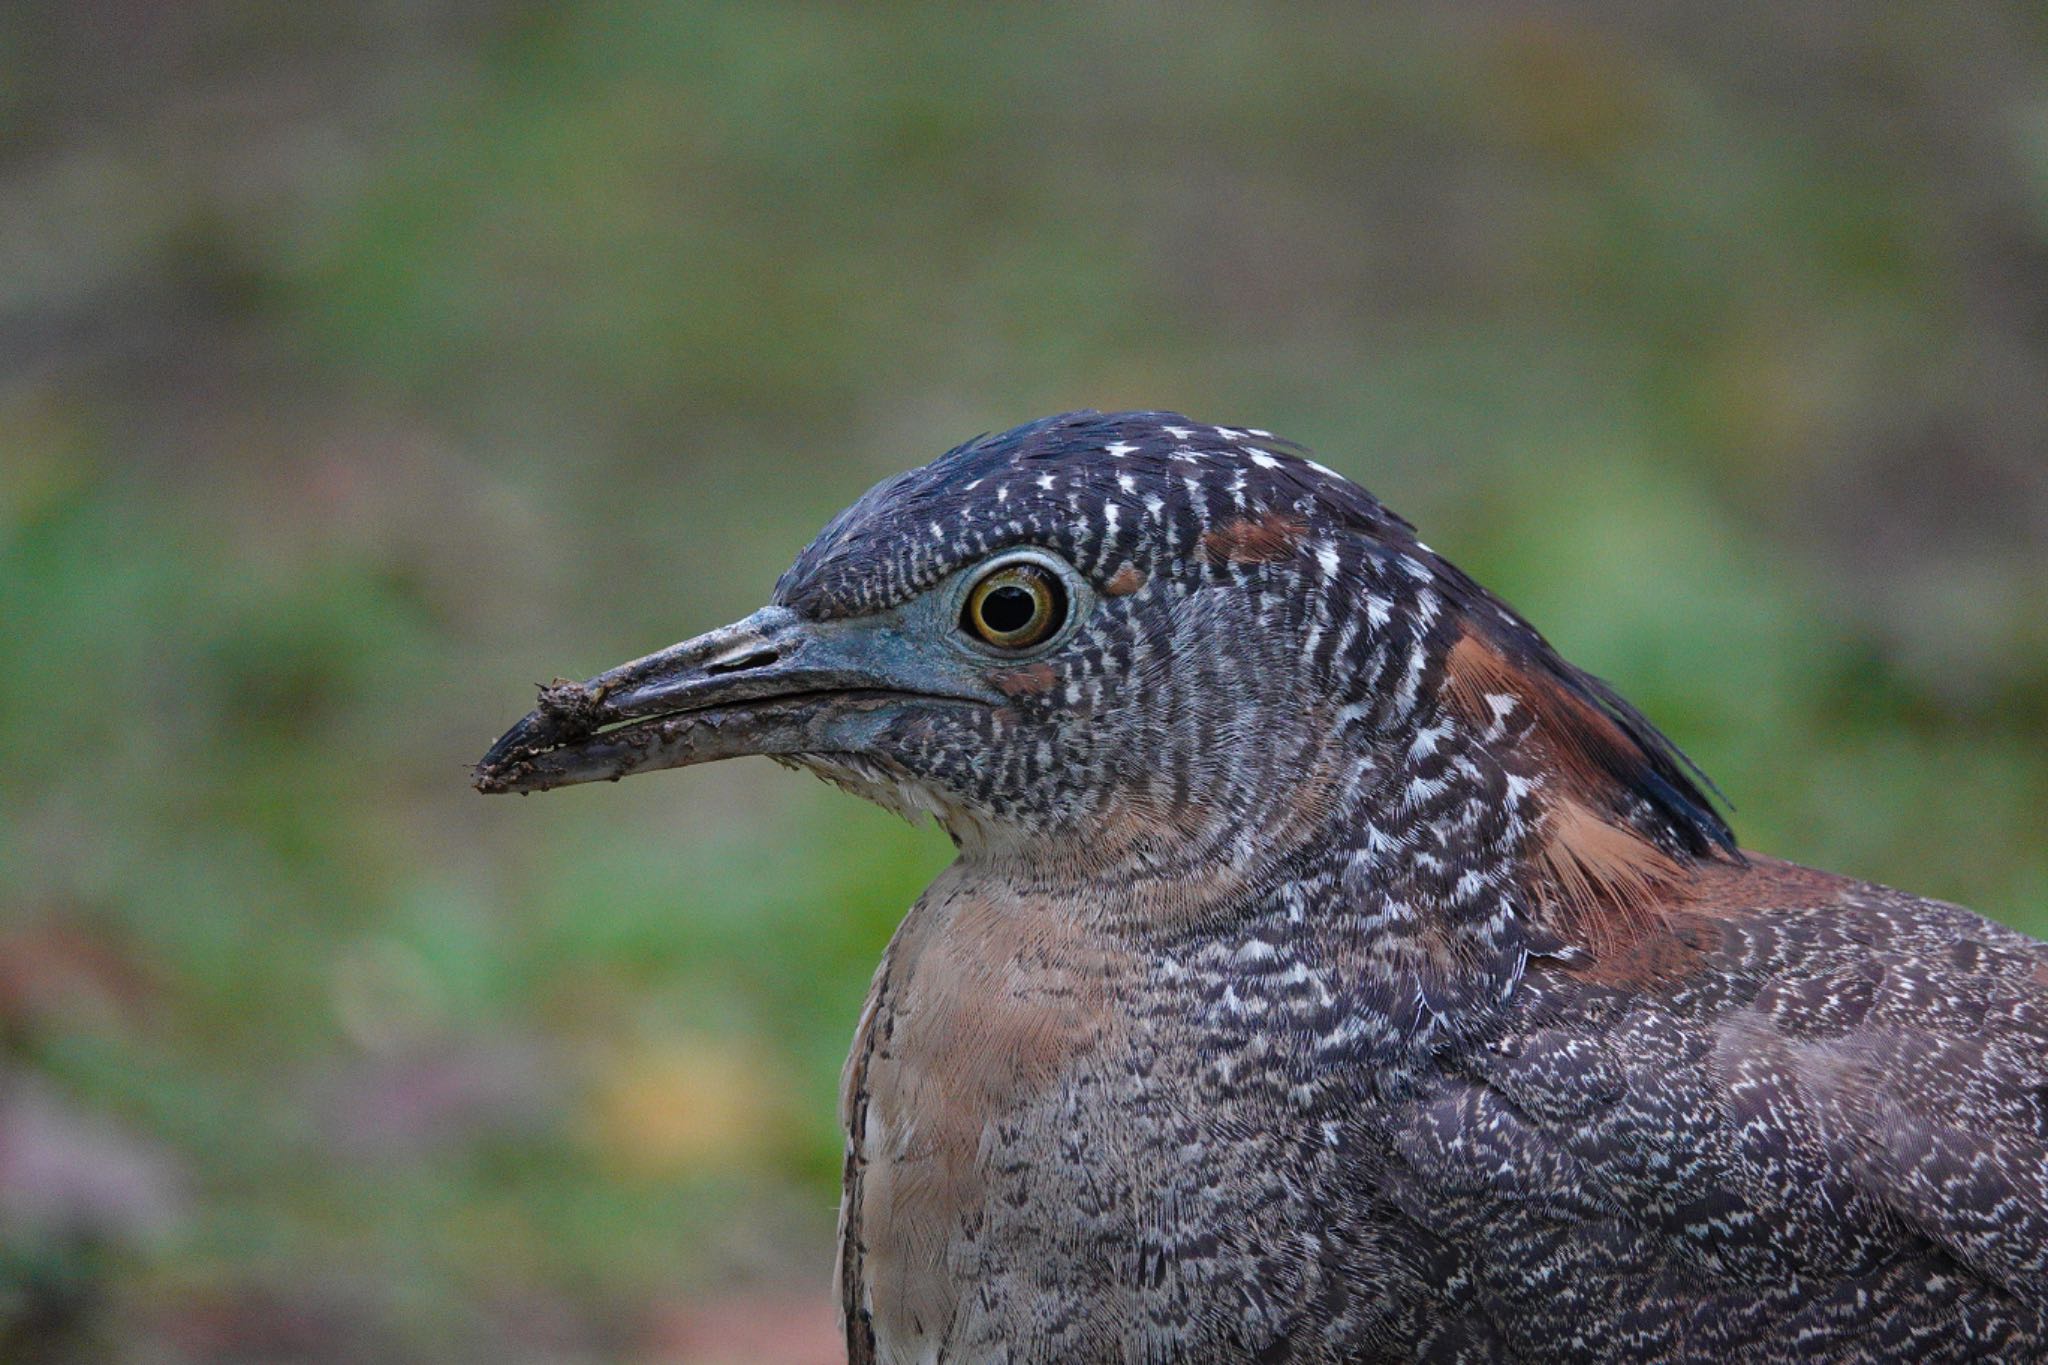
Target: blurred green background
(362,364)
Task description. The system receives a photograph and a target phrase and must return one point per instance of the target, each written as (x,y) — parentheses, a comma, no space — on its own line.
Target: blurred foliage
(361,364)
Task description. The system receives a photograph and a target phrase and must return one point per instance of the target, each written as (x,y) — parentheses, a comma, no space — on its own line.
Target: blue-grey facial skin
(874,701)
(772,684)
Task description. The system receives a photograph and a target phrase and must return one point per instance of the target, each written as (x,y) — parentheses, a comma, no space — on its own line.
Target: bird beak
(773,683)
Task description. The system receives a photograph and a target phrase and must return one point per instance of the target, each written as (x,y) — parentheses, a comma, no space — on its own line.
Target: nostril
(741,659)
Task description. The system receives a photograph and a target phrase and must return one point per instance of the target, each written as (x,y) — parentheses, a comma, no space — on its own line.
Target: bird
(1330,971)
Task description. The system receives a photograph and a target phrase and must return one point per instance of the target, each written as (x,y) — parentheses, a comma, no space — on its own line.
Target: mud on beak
(773,683)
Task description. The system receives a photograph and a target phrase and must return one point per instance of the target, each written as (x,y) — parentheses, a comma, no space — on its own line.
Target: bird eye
(1015,607)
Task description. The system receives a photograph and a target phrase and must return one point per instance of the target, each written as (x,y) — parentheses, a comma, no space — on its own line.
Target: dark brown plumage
(1331,972)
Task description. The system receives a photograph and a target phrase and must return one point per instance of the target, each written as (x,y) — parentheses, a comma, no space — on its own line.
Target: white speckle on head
(1326,555)
(1411,680)
(1127,483)
(1230,433)
(1378,611)
(1109,515)
(1155,505)
(938,531)
(1177,433)
(1263,460)
(1427,738)
(1046,481)
(1415,568)
(1120,449)
(1002,492)
(1503,705)
(1324,470)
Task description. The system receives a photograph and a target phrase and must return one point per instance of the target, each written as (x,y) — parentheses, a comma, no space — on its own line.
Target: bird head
(1136,642)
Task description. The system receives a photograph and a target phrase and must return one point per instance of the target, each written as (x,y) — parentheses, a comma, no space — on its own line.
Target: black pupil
(1008,609)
